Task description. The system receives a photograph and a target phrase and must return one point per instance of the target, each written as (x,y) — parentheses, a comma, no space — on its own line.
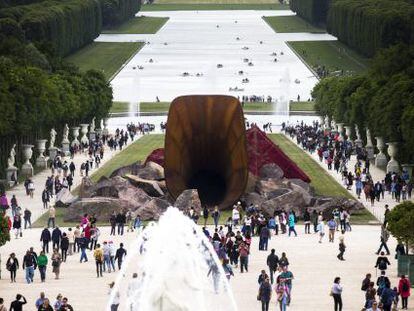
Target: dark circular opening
(211,186)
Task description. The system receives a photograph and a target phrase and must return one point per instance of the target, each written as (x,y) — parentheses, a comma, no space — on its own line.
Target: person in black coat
(121,220)
(64,245)
(56,237)
(45,237)
(120,253)
(12,265)
(272,262)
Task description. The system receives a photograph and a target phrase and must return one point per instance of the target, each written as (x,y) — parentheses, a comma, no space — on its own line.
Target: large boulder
(187,199)
(271,170)
(291,200)
(100,206)
(64,198)
(327,206)
(299,182)
(151,171)
(86,187)
(151,187)
(153,209)
(252,198)
(128,169)
(269,185)
(276,193)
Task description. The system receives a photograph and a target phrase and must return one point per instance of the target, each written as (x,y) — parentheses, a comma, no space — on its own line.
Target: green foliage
(4,230)
(114,12)
(400,222)
(314,11)
(382,99)
(370,25)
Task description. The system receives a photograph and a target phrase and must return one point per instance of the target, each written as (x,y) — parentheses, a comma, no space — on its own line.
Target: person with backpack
(382,281)
(366,282)
(404,289)
(382,262)
(12,265)
(387,297)
(370,295)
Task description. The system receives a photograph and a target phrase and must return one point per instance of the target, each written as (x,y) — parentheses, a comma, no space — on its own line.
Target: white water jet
(178,270)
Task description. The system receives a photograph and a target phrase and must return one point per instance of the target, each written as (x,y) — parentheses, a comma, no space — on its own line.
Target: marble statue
(66,133)
(12,158)
(52,137)
(92,126)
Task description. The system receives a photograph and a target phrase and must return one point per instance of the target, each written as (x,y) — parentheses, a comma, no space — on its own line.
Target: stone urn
(27,167)
(41,160)
(380,159)
(369,147)
(75,134)
(84,130)
(393,165)
(340,130)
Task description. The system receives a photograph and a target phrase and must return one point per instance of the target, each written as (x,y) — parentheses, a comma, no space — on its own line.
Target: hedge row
(314,11)
(115,12)
(382,99)
(370,25)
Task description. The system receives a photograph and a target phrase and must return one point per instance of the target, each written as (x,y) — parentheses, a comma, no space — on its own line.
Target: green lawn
(139,25)
(213,6)
(107,57)
(119,107)
(164,106)
(302,106)
(334,55)
(291,24)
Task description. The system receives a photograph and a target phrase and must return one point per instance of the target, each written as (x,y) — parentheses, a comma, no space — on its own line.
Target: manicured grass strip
(215,1)
(302,106)
(291,24)
(139,25)
(107,57)
(164,106)
(119,107)
(138,151)
(212,7)
(323,183)
(335,56)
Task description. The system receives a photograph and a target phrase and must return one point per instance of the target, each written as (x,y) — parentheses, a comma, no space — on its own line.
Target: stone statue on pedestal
(52,137)
(12,157)
(66,133)
(92,126)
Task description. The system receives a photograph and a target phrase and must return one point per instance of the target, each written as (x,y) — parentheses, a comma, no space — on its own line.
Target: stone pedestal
(41,160)
(369,147)
(84,130)
(381,159)
(11,175)
(65,147)
(393,165)
(92,136)
(348,132)
(27,167)
(75,133)
(53,151)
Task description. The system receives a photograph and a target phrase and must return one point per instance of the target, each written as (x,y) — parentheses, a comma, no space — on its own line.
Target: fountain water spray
(178,270)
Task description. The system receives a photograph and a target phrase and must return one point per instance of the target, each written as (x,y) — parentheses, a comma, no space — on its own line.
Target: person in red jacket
(404,288)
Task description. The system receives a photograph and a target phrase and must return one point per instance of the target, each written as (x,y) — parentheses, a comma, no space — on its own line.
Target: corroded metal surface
(205,148)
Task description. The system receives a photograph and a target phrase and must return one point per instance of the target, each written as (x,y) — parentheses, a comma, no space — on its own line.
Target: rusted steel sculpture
(205,148)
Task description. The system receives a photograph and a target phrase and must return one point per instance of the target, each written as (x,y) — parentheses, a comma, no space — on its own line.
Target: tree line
(38,91)
(381,99)
(64,26)
(314,11)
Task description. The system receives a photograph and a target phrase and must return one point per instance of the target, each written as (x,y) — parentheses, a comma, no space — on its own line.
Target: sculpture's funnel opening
(205,148)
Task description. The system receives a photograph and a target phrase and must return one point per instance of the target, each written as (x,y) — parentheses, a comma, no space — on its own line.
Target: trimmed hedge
(370,25)
(115,12)
(314,11)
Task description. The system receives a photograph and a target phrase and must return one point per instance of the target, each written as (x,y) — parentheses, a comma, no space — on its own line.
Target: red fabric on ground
(261,150)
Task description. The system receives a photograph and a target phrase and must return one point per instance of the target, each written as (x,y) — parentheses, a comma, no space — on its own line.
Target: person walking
(292,222)
(27,215)
(56,262)
(272,262)
(120,254)
(244,256)
(384,239)
(64,246)
(42,264)
(404,289)
(321,230)
(282,291)
(336,293)
(121,220)
(45,306)
(71,239)
(99,258)
(342,247)
(116,297)
(17,226)
(52,217)
(265,294)
(29,265)
(387,297)
(216,216)
(56,238)
(2,306)
(12,265)
(307,221)
(382,262)
(83,244)
(332,227)
(45,198)
(264,238)
(45,237)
